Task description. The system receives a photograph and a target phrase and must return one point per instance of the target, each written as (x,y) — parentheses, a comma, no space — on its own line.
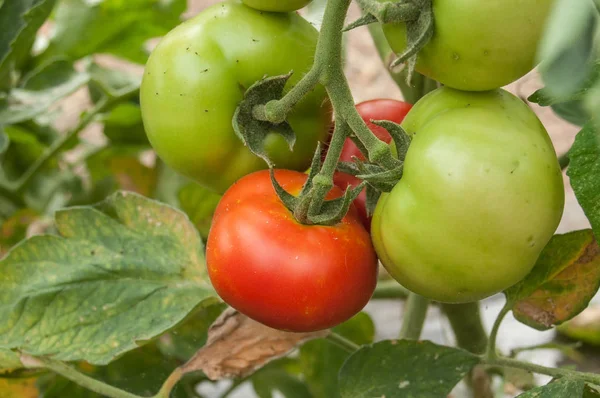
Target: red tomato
(281,273)
(377,109)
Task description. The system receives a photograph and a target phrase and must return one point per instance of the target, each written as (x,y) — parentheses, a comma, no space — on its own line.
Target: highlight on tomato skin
(281,273)
(375,109)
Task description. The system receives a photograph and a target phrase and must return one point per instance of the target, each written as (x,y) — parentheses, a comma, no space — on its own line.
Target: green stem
(466,323)
(531,367)
(415,312)
(59,144)
(169,384)
(323,181)
(275,111)
(342,342)
(85,381)
(102,388)
(329,54)
(390,289)
(491,348)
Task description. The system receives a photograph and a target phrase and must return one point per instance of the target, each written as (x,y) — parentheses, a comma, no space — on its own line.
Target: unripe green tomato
(277,5)
(481,195)
(478,44)
(197,75)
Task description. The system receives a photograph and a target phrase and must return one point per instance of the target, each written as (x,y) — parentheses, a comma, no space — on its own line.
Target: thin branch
(415,313)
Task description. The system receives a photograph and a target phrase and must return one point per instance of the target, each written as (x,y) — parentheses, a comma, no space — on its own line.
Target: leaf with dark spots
(562,283)
(117,275)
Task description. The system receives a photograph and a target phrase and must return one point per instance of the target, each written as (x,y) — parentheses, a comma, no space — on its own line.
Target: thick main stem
(470,334)
(415,312)
(466,323)
(329,55)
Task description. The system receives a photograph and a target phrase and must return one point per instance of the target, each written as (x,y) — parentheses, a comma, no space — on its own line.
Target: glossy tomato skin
(197,75)
(481,195)
(377,109)
(283,274)
(277,5)
(478,45)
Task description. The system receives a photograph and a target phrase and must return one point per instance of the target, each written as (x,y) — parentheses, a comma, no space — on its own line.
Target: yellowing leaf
(14,229)
(18,388)
(562,283)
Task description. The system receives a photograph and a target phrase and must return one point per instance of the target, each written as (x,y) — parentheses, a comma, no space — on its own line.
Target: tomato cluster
(481,192)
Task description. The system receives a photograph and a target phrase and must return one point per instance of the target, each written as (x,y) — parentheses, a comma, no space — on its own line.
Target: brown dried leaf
(562,283)
(238,346)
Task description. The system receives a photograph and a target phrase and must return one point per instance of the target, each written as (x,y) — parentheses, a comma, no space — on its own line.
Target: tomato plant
(281,273)
(276,5)
(220,53)
(377,109)
(478,45)
(125,273)
(481,195)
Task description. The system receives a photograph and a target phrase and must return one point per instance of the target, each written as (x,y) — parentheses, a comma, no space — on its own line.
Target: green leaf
(560,388)
(570,108)
(115,27)
(117,275)
(122,166)
(4,141)
(9,360)
(591,391)
(183,341)
(572,111)
(254,132)
(321,360)
(123,125)
(584,327)
(140,372)
(276,379)
(46,85)
(199,203)
(567,46)
(584,169)
(110,81)
(404,369)
(20,21)
(24,149)
(51,190)
(562,282)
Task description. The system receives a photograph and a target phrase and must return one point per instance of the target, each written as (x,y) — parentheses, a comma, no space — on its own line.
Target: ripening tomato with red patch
(377,109)
(281,273)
